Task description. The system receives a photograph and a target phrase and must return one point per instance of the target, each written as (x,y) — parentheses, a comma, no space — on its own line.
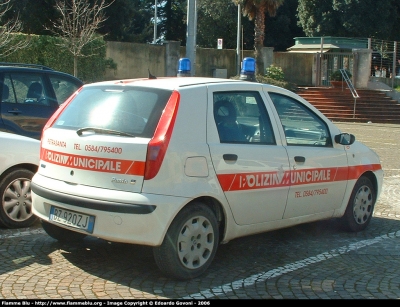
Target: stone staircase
(338,104)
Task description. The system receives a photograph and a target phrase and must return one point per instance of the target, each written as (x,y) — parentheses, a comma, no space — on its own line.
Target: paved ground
(311,261)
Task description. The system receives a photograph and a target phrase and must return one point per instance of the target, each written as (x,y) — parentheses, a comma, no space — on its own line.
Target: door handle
(230,157)
(299,159)
(15,111)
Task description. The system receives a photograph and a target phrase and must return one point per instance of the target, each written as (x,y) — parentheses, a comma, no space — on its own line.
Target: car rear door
(28,105)
(62,86)
(251,172)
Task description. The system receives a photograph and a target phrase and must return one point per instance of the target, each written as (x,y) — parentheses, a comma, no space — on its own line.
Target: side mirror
(345,139)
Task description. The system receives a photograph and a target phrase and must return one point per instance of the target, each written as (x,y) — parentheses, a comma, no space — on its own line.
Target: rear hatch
(100,138)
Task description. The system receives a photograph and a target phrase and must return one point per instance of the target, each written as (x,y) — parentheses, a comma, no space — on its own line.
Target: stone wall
(136,60)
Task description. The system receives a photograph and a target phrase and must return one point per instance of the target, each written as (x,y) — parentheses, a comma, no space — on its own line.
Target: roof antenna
(150,75)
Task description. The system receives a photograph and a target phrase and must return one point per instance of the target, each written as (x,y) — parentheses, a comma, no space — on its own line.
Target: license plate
(72,219)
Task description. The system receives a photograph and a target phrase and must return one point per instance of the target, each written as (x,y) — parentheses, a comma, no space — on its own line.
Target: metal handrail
(349,83)
(351,87)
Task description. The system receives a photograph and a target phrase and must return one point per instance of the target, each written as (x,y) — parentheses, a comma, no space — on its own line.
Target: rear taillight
(159,143)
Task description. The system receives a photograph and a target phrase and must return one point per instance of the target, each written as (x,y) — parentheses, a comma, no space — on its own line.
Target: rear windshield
(131,110)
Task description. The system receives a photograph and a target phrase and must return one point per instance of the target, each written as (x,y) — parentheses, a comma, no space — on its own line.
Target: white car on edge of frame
(19,160)
(184,164)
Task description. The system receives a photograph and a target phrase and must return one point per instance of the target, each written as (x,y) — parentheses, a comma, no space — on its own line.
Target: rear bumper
(141,219)
(82,202)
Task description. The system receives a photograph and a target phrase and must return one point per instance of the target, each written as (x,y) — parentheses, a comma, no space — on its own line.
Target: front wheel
(360,207)
(190,243)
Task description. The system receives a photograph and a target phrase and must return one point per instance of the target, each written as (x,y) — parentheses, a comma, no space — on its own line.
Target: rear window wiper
(103,131)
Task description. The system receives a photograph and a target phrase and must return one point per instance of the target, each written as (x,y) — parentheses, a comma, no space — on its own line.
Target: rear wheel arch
(218,210)
(215,206)
(191,240)
(30,167)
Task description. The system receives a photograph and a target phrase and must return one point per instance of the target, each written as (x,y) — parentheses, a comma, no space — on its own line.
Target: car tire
(16,201)
(360,207)
(61,234)
(190,243)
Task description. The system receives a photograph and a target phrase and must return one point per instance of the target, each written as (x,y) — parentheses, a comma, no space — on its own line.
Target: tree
(218,19)
(10,41)
(283,28)
(256,9)
(172,20)
(349,18)
(36,15)
(78,24)
(129,21)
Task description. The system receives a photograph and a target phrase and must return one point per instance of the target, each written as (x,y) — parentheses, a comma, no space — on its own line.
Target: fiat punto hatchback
(184,164)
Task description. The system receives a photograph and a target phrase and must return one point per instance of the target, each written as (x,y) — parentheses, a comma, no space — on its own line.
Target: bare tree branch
(9,41)
(78,24)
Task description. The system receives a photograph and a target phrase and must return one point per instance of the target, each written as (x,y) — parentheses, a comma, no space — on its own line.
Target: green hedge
(46,50)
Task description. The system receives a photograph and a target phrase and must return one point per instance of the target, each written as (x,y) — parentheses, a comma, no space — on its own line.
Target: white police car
(19,160)
(184,164)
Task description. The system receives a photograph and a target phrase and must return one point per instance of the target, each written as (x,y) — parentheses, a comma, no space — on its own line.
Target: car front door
(318,175)
(248,158)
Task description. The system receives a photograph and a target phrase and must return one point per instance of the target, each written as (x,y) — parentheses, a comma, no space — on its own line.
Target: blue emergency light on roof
(184,67)
(248,70)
